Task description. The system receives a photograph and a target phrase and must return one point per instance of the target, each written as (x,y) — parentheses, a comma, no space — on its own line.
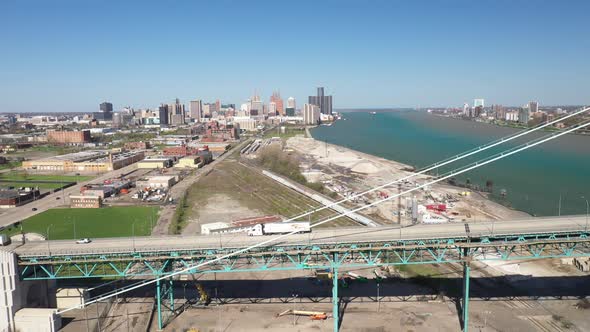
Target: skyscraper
(163,114)
(290,111)
(478,102)
(276,98)
(106,107)
(322,101)
(311,114)
(533,106)
(196,109)
(176,113)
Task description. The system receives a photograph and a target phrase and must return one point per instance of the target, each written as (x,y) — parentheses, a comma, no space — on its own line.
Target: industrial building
(189,162)
(85,202)
(13,198)
(155,162)
(93,161)
(164,182)
(240,225)
(68,137)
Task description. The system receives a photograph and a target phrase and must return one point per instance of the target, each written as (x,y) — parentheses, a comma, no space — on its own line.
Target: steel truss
(333,256)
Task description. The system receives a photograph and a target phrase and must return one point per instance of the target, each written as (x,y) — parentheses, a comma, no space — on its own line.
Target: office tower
(256,107)
(163,114)
(322,101)
(478,102)
(196,109)
(533,106)
(524,115)
(272,108)
(311,114)
(276,98)
(106,107)
(176,113)
(291,103)
(466,109)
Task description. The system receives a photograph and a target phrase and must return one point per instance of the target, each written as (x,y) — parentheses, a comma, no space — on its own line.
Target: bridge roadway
(545,225)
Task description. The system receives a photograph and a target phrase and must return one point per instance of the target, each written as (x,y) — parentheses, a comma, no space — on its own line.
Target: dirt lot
(232,191)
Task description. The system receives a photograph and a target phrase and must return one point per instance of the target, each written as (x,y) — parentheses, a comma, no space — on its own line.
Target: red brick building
(68,137)
(182,150)
(218,133)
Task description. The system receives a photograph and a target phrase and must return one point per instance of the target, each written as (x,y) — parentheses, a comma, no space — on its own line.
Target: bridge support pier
(335,304)
(465,306)
(159,305)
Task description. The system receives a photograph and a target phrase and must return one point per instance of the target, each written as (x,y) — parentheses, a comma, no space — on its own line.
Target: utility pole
(559,209)
(399,204)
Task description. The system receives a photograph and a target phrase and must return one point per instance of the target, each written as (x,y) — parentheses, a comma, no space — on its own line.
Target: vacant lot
(244,189)
(92,223)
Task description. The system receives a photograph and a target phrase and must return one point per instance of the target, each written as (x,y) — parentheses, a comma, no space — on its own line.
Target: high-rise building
(105,113)
(106,107)
(478,102)
(272,108)
(533,106)
(163,114)
(524,115)
(196,110)
(291,103)
(322,101)
(276,98)
(311,114)
(466,109)
(176,113)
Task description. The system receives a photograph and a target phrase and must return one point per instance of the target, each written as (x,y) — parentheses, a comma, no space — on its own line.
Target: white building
(291,103)
(311,114)
(245,123)
(466,109)
(196,110)
(512,116)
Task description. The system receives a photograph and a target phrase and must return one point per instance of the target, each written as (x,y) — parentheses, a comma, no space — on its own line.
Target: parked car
(83,241)
(34,209)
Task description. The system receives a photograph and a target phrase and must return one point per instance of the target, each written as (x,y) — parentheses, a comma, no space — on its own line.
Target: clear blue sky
(67,55)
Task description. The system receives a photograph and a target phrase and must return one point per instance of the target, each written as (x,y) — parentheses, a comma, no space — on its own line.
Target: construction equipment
(204,297)
(313,315)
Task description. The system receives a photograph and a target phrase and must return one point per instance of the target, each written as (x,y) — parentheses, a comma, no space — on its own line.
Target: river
(533,180)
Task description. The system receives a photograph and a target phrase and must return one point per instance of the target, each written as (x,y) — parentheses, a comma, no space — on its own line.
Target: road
(320,236)
(13,215)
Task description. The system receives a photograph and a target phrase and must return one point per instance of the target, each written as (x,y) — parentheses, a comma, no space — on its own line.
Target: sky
(70,55)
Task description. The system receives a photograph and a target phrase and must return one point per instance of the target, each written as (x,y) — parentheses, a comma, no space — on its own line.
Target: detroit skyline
(69,57)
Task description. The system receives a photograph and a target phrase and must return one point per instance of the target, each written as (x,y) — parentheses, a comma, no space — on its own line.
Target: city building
(68,137)
(311,114)
(278,104)
(90,161)
(85,202)
(466,109)
(217,132)
(155,163)
(196,110)
(533,107)
(512,116)
(189,162)
(524,115)
(136,145)
(291,105)
(245,123)
(156,182)
(176,113)
(163,114)
(478,102)
(322,101)
(105,113)
(12,198)
(179,151)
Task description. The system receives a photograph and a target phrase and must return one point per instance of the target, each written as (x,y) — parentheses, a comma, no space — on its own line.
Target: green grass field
(289,132)
(28,176)
(91,223)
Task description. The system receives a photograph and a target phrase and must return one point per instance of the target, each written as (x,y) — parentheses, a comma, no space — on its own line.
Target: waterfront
(533,179)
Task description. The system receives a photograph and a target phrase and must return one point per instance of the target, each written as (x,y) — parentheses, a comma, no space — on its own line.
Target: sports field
(91,223)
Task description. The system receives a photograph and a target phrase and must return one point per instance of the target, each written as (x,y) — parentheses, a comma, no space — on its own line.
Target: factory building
(189,162)
(155,163)
(85,202)
(13,198)
(91,161)
(156,182)
(68,137)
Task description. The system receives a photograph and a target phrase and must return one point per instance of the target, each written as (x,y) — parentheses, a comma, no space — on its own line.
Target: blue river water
(533,180)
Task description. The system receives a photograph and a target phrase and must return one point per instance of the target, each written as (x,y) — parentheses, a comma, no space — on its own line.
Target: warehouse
(189,162)
(155,162)
(92,161)
(85,202)
(155,182)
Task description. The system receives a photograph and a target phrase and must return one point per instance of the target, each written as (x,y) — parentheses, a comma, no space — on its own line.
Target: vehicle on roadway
(279,228)
(34,209)
(83,241)
(58,198)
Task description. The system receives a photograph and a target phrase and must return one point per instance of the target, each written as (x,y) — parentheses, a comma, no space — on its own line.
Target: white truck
(279,228)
